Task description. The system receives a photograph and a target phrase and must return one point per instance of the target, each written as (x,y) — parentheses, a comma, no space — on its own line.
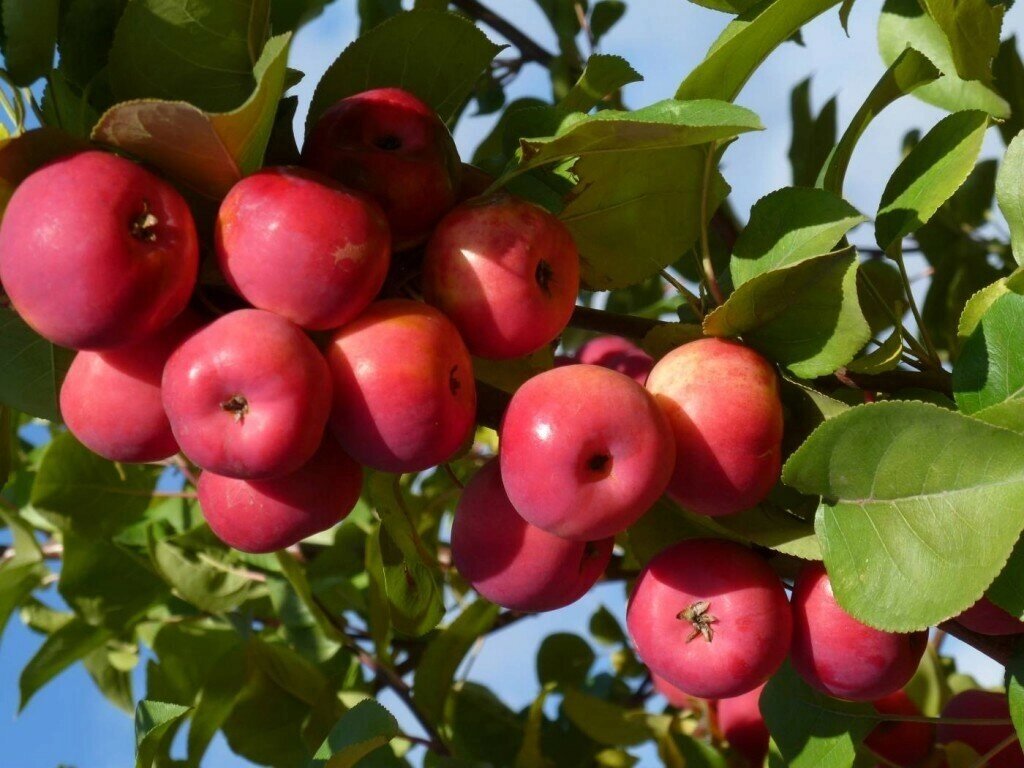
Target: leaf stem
(705,248)
(691,298)
(984,759)
(932,353)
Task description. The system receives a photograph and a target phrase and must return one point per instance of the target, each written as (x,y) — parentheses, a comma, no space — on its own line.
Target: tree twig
(530,48)
(597,320)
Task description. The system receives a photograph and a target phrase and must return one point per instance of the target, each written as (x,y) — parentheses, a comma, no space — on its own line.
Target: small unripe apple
(299,244)
(618,354)
(248,396)
(722,400)
(710,617)
(585,452)
(981,705)
(742,725)
(389,144)
(506,272)
(837,654)
(513,563)
(987,618)
(96,252)
(111,400)
(404,395)
(267,515)
(901,743)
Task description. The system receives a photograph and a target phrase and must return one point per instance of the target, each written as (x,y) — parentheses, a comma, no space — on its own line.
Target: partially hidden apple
(987,618)
(299,244)
(982,705)
(248,396)
(585,452)
(618,354)
(96,252)
(904,744)
(742,725)
(404,394)
(513,563)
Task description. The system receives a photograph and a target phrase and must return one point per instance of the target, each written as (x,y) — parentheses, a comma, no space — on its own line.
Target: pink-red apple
(513,563)
(506,272)
(982,705)
(404,395)
(111,401)
(585,452)
(901,743)
(722,400)
(840,656)
(299,244)
(618,354)
(674,696)
(389,144)
(741,723)
(97,252)
(987,618)
(711,617)
(267,515)
(248,396)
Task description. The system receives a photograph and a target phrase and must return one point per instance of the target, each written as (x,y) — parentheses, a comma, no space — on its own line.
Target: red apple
(506,272)
(837,654)
(584,452)
(267,515)
(618,354)
(248,396)
(404,395)
(987,618)
(904,744)
(722,400)
(674,696)
(111,401)
(982,705)
(742,725)
(711,617)
(513,563)
(389,144)
(298,244)
(96,252)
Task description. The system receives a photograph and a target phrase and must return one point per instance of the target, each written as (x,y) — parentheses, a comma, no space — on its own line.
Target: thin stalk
(705,248)
(932,353)
(691,298)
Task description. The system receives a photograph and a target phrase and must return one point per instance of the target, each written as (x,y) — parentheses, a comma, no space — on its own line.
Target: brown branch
(597,320)
(893,381)
(1000,648)
(530,48)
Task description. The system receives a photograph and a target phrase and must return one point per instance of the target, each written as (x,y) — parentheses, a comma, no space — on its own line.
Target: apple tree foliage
(904,409)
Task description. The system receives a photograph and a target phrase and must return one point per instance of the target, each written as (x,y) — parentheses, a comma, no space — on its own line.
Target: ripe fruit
(267,515)
(96,252)
(837,654)
(506,272)
(673,695)
(389,144)
(987,618)
(905,744)
(722,400)
(982,705)
(584,452)
(513,563)
(298,244)
(111,401)
(742,725)
(248,396)
(710,617)
(618,354)
(404,395)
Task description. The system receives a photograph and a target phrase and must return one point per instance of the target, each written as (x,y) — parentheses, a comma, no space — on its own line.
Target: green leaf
(1010,193)
(908,71)
(85,37)
(972,29)
(22,573)
(564,659)
(634,213)
(783,522)
(482,727)
(885,357)
(603,721)
(603,74)
(606,628)
(789,226)
(531,753)
(668,124)
(903,484)
(364,728)
(373,12)
(813,136)
(30,35)
(66,107)
(1005,590)
(745,43)
(289,15)
(81,492)
(203,151)
(903,23)
(929,175)
(437,56)
(154,720)
(1015,692)
(68,644)
(1009,77)
(198,51)
(990,368)
(201,575)
(115,684)
(810,729)
(414,590)
(604,15)
(443,655)
(215,702)
(31,368)
(806,316)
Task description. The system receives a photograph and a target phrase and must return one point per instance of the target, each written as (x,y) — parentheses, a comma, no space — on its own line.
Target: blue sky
(69,722)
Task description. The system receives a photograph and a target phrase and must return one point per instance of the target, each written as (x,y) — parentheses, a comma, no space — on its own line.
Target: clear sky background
(69,722)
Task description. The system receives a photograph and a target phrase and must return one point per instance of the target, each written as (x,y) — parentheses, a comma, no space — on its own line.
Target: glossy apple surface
(618,354)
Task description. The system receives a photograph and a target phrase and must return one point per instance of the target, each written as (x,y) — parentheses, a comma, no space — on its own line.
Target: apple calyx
(699,618)
(544,275)
(143,226)
(388,143)
(236,405)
